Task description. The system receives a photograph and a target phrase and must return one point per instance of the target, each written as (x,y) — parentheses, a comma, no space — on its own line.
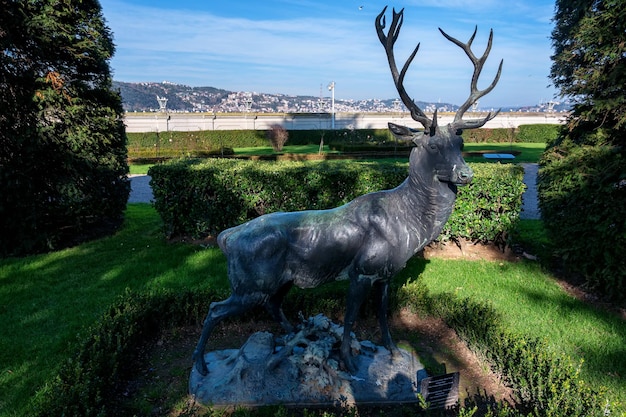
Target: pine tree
(63,169)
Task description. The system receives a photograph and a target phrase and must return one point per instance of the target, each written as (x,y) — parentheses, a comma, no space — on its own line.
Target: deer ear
(400,132)
(406,133)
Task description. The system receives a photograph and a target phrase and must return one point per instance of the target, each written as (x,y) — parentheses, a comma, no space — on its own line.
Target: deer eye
(432,146)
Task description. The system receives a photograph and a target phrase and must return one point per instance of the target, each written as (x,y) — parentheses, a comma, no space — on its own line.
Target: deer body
(366,241)
(373,235)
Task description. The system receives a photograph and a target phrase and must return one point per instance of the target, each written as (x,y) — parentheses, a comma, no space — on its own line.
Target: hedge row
(544,383)
(200,198)
(90,379)
(201,143)
(543,133)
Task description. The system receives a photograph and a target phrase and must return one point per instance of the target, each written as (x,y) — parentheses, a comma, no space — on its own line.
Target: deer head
(433,137)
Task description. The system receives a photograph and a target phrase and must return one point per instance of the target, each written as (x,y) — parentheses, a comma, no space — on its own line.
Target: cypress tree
(582,182)
(63,169)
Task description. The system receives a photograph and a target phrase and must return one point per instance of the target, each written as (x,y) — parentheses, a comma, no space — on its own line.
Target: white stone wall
(195,122)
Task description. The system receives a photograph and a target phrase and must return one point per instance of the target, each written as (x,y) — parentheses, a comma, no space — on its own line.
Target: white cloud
(295,55)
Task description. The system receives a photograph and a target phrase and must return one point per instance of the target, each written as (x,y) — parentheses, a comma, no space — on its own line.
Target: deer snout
(463,175)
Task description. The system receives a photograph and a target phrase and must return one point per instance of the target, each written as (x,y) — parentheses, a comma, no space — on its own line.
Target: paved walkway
(530,203)
(142,193)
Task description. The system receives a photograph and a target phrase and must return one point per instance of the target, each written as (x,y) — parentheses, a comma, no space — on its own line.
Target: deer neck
(430,201)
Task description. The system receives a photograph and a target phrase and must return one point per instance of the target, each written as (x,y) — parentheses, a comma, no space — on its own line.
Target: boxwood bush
(544,382)
(106,355)
(537,133)
(201,198)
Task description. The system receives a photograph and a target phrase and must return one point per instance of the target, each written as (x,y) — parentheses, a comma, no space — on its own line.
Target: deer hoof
(202,368)
(200,364)
(396,354)
(349,363)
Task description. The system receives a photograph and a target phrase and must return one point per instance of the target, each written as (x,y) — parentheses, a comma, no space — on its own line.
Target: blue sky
(295,46)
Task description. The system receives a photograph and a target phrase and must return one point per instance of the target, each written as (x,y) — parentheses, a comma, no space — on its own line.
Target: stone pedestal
(304,369)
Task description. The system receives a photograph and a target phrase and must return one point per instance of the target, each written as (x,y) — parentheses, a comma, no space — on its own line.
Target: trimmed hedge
(487,209)
(489,135)
(176,144)
(190,144)
(201,198)
(88,381)
(544,383)
(537,133)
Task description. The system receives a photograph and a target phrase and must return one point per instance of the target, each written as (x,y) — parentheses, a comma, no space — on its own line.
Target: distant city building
(182,98)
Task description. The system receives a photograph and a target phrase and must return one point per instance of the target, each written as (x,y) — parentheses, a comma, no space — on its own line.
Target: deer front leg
(358,290)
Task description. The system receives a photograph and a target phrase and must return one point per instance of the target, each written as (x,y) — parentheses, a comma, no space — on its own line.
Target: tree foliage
(62,138)
(589,66)
(582,182)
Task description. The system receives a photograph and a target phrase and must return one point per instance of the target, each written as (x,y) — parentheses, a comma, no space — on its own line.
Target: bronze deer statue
(367,240)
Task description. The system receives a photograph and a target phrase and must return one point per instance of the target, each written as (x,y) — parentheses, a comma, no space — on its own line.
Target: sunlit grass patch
(532,303)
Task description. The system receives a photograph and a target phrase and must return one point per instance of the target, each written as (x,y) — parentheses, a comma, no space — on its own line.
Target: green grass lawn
(532,303)
(268,150)
(530,152)
(47,300)
(139,169)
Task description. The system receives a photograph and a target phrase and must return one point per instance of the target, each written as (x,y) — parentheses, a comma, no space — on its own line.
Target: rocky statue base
(303,368)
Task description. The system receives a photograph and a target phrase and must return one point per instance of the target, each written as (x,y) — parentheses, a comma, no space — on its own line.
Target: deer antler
(417,114)
(388,42)
(475,93)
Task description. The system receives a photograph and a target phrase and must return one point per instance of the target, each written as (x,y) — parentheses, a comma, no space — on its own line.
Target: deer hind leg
(234,305)
(382,295)
(274,307)
(358,290)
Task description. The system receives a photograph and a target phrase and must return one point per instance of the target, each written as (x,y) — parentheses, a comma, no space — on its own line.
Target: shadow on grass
(46,301)
(596,336)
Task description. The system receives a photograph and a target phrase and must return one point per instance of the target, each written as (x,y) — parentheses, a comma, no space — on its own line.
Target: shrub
(278,136)
(543,133)
(488,208)
(202,198)
(582,191)
(544,383)
(176,144)
(485,135)
(87,382)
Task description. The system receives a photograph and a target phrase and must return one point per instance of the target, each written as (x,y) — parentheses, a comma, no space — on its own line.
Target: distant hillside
(142,96)
(182,98)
